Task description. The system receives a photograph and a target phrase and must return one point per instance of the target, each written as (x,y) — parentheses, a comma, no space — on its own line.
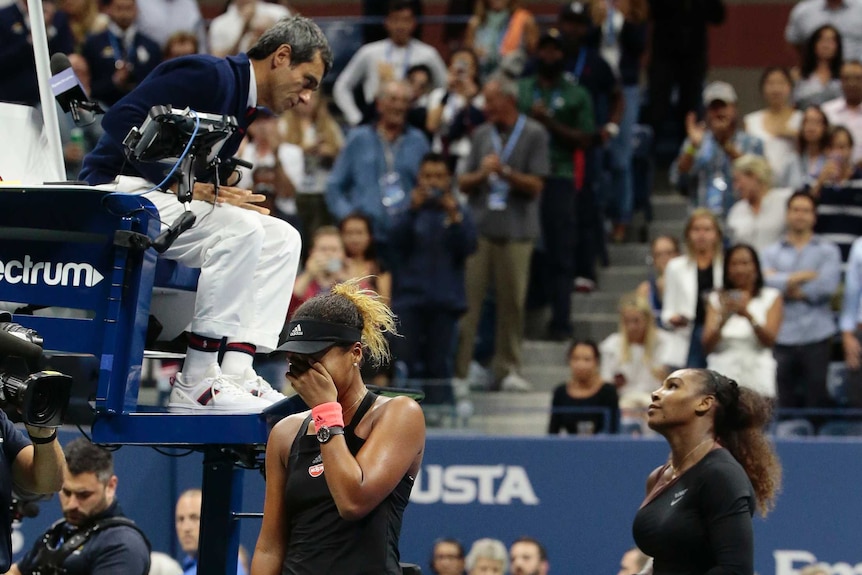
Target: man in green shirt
(565,109)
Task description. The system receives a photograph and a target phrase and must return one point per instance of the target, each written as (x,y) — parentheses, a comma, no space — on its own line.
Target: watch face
(323,434)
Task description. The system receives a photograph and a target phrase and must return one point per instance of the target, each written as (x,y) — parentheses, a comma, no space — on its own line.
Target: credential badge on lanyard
(498,195)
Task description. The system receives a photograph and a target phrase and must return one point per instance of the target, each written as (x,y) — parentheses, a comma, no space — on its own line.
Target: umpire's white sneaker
(257,386)
(213,393)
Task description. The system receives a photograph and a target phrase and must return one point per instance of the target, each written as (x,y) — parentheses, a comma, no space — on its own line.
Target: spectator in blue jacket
(17,63)
(121,56)
(378,165)
(433,239)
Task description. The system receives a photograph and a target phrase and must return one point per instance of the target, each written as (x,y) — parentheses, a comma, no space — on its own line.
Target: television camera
(41,397)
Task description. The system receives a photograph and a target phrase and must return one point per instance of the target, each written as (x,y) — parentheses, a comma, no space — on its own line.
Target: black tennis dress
(320,541)
(700,523)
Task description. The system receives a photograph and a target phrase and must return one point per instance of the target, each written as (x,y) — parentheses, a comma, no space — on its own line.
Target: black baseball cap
(552,37)
(310,336)
(576,12)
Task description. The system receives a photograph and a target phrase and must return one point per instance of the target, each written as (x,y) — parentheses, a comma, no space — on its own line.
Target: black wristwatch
(324,434)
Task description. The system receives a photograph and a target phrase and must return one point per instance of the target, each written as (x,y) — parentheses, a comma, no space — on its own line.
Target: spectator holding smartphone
(323,268)
(742,323)
(838,167)
(433,239)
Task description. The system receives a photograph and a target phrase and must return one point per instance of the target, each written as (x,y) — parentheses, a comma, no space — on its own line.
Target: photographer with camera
(34,465)
(433,240)
(95,538)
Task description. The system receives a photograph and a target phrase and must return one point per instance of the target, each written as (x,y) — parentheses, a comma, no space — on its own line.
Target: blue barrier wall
(577,496)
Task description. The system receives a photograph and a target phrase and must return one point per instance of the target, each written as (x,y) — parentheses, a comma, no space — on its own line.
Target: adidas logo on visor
(296,331)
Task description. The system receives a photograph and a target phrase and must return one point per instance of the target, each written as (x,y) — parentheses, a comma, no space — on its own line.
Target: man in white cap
(703,168)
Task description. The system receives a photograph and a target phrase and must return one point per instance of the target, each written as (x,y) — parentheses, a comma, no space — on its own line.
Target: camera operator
(95,538)
(34,465)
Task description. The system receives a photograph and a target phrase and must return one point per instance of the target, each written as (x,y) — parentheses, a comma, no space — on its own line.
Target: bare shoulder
(401,410)
(285,430)
(397,406)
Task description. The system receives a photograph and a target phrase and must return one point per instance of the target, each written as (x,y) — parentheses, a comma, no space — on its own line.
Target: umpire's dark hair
(303,36)
(449,540)
(543,553)
(84,457)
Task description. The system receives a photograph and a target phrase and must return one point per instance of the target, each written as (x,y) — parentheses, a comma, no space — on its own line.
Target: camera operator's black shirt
(119,549)
(13,442)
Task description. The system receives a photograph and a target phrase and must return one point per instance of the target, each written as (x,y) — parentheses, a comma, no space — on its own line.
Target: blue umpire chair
(77,248)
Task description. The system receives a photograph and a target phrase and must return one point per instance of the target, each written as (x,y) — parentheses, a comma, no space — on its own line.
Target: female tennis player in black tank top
(696,518)
(339,477)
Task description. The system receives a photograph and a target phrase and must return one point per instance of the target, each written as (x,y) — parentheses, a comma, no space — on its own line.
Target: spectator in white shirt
(386,60)
(159,19)
(759,216)
(633,358)
(777,125)
(228,32)
(847,110)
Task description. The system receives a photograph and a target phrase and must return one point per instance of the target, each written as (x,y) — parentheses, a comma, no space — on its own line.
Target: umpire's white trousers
(248,265)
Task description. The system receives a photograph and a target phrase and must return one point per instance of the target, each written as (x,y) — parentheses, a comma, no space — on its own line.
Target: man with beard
(95,538)
(528,557)
(565,110)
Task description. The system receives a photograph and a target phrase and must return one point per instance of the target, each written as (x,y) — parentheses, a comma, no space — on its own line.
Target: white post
(46,95)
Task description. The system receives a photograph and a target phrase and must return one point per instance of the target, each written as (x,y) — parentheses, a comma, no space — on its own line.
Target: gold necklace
(361,397)
(675,470)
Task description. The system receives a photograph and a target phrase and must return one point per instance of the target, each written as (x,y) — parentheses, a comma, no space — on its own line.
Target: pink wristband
(327,414)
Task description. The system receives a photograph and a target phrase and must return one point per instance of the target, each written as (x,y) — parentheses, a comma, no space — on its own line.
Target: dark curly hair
(740,420)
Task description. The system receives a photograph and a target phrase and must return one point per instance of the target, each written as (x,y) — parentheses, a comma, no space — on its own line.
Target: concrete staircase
(594,316)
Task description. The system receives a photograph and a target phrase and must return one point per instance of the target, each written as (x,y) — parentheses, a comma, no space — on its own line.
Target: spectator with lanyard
(338,477)
(565,110)
(17,62)
(503,181)
(378,166)
(383,61)
(704,168)
(121,56)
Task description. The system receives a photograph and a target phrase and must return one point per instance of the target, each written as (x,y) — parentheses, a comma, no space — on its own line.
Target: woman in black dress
(338,477)
(585,404)
(696,518)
